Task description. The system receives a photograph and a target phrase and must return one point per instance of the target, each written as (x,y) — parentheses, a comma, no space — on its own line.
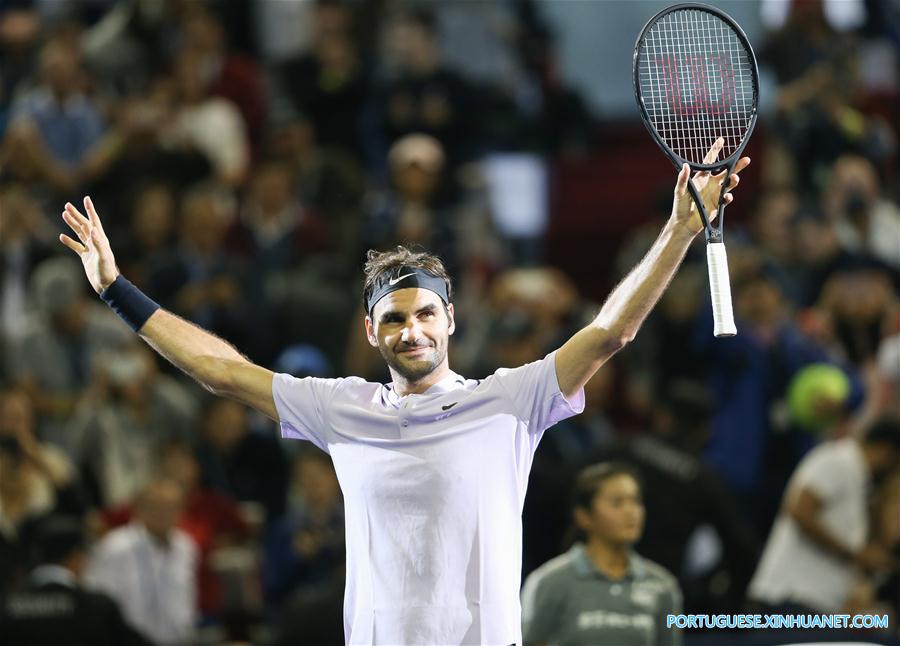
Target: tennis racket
(695,80)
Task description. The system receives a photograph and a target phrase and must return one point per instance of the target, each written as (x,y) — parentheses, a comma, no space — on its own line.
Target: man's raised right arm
(213,362)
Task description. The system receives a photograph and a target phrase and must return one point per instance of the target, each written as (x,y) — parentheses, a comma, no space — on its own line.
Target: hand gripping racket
(695,80)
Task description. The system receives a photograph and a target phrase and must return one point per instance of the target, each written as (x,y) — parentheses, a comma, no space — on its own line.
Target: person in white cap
(433,466)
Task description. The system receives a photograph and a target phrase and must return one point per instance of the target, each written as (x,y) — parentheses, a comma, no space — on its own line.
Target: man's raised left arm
(633,299)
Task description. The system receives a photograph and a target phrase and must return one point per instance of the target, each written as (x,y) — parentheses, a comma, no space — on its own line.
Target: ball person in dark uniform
(53,608)
(601,591)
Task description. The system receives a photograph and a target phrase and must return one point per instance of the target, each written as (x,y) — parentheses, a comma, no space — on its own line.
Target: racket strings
(696,82)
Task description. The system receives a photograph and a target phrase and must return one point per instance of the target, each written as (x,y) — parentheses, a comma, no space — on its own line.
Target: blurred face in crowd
(202,31)
(858,304)
(814,241)
(417,162)
(226,425)
(772,222)
(202,227)
(130,374)
(59,67)
(191,78)
(883,458)
(759,302)
(273,188)
(159,507)
(411,47)
(330,19)
(853,187)
(411,329)
(616,515)
(152,220)
(179,463)
(19,216)
(416,182)
(16,414)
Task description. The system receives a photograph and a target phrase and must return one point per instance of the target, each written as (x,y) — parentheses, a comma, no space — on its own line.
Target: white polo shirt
(795,569)
(433,491)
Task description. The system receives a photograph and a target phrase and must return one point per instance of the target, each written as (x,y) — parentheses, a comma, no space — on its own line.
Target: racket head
(696,79)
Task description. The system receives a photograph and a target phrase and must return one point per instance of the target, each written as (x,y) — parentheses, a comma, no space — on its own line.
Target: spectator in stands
(674,476)
(749,373)
(328,179)
(857,307)
(26,242)
(306,546)
(865,221)
(53,359)
(210,124)
(229,74)
(53,608)
(775,212)
(119,427)
(141,148)
(275,230)
(245,464)
(35,479)
(55,126)
(20,33)
(330,84)
(198,278)
(420,95)
(152,233)
(413,209)
(212,519)
(601,591)
(149,567)
(820,542)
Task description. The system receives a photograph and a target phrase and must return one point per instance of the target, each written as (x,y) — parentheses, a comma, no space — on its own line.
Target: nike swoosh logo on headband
(394,281)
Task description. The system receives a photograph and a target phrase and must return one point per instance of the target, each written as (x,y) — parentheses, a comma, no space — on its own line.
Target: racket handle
(720,290)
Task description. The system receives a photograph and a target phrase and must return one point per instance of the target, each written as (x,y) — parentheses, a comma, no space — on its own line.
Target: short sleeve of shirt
(534,390)
(824,472)
(302,405)
(671,605)
(540,609)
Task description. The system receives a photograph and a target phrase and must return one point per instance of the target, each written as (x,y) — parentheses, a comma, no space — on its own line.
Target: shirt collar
(585,568)
(451,382)
(44,574)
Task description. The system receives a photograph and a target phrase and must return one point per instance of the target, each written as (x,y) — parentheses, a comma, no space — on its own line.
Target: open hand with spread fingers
(92,245)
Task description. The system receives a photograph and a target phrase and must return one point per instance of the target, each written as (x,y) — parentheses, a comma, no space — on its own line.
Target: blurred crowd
(244,156)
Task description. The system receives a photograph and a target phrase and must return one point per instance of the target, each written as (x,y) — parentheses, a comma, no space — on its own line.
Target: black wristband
(131,304)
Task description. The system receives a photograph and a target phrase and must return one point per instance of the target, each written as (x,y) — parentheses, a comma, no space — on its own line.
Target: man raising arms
(433,466)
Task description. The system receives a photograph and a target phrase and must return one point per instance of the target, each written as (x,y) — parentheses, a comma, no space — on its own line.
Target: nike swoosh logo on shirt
(394,281)
(449,406)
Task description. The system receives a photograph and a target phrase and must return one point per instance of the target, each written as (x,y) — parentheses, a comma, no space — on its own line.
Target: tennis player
(433,466)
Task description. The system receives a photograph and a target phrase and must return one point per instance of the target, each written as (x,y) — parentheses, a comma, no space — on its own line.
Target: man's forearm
(200,354)
(816,532)
(624,311)
(633,299)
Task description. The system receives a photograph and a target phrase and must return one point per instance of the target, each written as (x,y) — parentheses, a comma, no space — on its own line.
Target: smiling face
(411,329)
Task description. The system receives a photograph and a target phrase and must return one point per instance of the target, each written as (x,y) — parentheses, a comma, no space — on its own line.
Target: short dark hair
(590,479)
(423,18)
(58,537)
(587,484)
(381,265)
(885,431)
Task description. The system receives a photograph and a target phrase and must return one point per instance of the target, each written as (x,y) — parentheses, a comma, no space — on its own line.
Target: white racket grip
(720,290)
